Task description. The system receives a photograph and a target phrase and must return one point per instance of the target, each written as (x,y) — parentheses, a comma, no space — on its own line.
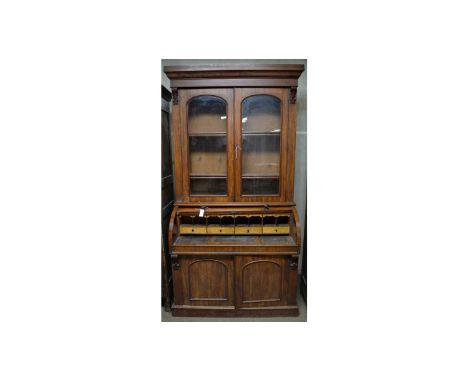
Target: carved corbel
(292,94)
(175,96)
(175,262)
(293,262)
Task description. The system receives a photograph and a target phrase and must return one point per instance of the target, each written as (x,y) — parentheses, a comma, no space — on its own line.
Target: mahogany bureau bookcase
(234,235)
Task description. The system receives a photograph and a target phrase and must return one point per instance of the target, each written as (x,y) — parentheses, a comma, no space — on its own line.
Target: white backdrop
(79,191)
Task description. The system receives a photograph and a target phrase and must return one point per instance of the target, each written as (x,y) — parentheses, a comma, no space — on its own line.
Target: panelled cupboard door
(205,281)
(261,136)
(206,120)
(261,281)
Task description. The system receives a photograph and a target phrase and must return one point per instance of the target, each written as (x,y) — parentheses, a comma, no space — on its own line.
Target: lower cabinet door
(262,281)
(205,281)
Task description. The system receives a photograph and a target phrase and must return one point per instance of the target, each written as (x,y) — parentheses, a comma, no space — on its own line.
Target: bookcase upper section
(234,133)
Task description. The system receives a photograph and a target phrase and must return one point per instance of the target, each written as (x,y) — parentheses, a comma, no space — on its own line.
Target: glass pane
(208,186)
(261,114)
(208,156)
(257,186)
(207,129)
(261,155)
(207,114)
(261,128)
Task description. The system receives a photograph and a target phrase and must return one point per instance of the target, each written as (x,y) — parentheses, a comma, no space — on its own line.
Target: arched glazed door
(261,128)
(207,118)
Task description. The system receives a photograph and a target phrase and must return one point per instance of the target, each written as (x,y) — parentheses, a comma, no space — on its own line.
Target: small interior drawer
(192,229)
(276,230)
(249,230)
(220,230)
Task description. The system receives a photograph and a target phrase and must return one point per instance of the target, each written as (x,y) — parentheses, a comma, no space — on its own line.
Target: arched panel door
(206,116)
(207,281)
(261,281)
(260,150)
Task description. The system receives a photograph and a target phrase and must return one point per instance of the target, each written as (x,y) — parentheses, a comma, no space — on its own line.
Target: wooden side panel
(207,281)
(167,198)
(261,281)
(291,150)
(303,278)
(177,146)
(291,274)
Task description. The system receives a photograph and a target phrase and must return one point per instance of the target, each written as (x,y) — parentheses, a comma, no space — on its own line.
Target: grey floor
(167,316)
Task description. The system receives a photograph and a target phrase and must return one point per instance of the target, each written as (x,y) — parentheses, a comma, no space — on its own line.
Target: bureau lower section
(226,284)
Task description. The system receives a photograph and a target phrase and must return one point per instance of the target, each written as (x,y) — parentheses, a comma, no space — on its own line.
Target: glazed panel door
(206,117)
(261,128)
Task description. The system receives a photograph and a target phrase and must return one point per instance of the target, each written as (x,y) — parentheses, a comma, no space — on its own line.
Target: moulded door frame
(227,94)
(239,95)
